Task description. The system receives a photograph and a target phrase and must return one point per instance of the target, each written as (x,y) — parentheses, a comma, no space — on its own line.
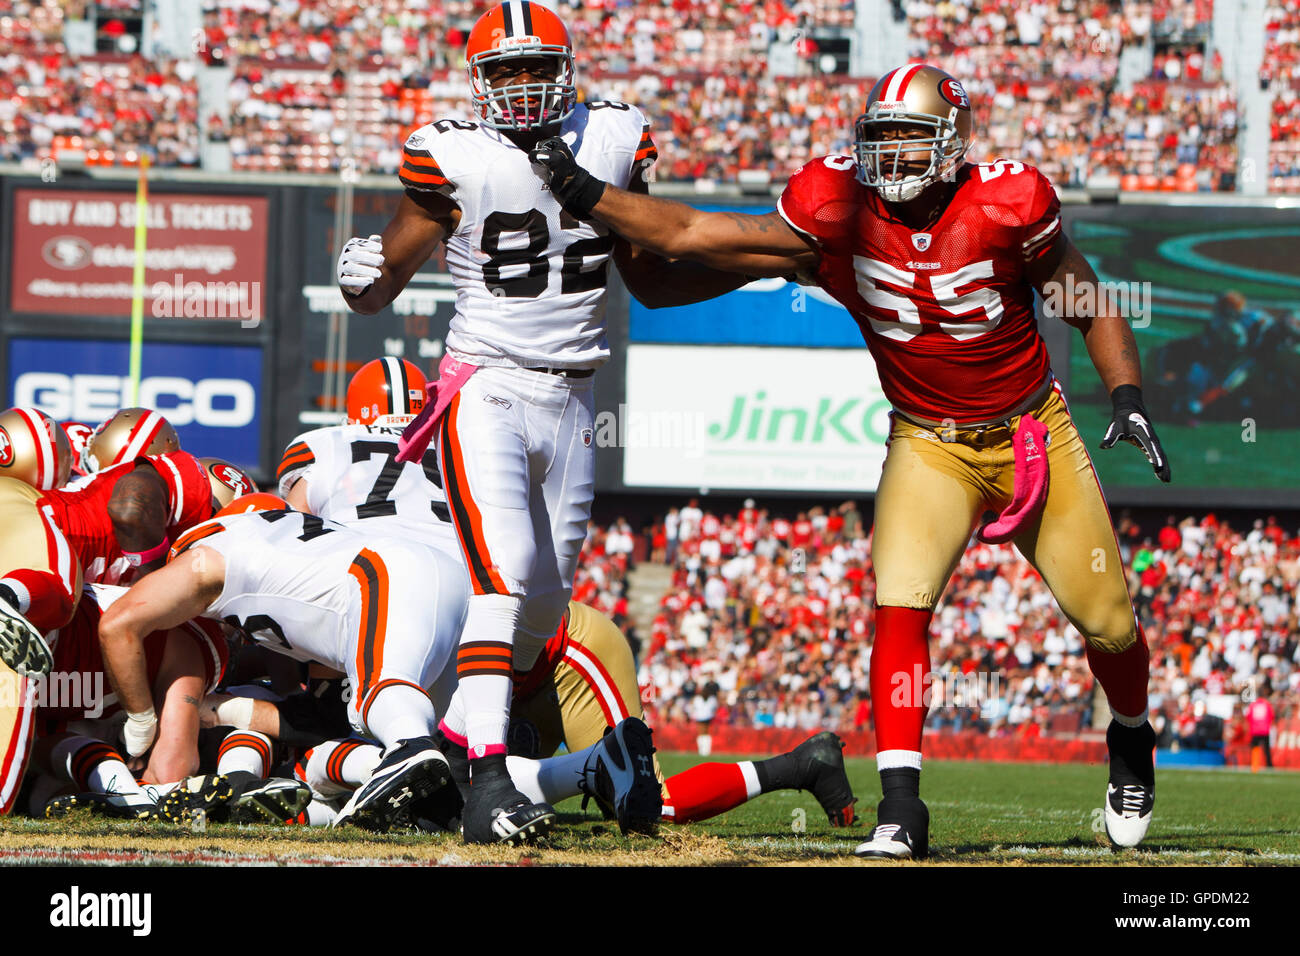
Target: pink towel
(452,375)
(1031,482)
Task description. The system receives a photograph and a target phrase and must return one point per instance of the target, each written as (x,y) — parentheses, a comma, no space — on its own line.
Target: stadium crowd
(768,622)
(1043,76)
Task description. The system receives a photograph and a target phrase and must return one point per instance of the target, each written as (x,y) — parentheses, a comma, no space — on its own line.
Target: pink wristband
(137,558)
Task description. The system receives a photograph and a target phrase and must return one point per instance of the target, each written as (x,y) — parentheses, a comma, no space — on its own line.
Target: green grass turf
(981,813)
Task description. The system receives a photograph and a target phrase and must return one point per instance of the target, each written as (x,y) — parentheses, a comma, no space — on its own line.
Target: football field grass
(981,814)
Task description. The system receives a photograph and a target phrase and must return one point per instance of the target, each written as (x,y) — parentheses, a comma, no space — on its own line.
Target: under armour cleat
(620,777)
(409,771)
(902,831)
(21,646)
(1131,791)
(821,772)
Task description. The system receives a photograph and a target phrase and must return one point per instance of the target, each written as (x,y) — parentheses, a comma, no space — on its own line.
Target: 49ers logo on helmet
(6,449)
(234,479)
(953,92)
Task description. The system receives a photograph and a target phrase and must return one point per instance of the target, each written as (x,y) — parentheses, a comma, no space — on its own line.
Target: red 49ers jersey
(948,312)
(82,515)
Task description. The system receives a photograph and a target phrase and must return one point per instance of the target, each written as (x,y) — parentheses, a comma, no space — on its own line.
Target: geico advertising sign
(209,392)
(749,419)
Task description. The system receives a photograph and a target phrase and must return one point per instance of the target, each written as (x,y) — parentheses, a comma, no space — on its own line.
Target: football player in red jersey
(937,260)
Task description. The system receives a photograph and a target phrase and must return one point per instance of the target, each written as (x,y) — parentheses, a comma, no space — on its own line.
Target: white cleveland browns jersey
(530,278)
(286,580)
(353,478)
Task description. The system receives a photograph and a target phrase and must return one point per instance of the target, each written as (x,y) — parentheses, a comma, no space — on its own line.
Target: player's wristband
(137,558)
(139,731)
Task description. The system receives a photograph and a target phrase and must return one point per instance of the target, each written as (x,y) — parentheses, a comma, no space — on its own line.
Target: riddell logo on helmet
(507,42)
(6,449)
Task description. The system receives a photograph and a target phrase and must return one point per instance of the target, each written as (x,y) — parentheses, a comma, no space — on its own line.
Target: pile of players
(294,660)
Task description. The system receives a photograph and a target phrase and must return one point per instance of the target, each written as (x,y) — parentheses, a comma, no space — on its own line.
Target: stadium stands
(772,619)
(1045,78)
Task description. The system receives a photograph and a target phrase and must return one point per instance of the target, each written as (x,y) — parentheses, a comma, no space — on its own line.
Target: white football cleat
(1131,792)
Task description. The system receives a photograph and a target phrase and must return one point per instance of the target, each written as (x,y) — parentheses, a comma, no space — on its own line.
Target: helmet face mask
(929,115)
(524,107)
(533,40)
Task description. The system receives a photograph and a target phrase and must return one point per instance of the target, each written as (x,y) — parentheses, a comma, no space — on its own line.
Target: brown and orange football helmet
(257,501)
(34,449)
(386,391)
(518,29)
(228,482)
(935,115)
(126,435)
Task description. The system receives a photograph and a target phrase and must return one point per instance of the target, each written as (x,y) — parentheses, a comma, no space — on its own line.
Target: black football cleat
(821,772)
(1131,791)
(207,792)
(270,800)
(902,831)
(620,777)
(496,812)
(410,771)
(116,806)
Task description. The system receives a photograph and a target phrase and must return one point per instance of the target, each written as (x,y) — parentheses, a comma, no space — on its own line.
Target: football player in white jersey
(385,612)
(512,411)
(348,473)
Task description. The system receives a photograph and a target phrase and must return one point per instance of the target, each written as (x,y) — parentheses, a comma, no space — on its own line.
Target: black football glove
(1130,422)
(577,190)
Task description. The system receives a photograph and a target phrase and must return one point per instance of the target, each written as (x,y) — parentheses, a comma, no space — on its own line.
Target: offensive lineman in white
(513,409)
(348,474)
(386,613)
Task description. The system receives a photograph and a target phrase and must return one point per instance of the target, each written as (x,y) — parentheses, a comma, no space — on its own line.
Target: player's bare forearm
(423,220)
(1106,334)
(661,283)
(168,598)
(722,240)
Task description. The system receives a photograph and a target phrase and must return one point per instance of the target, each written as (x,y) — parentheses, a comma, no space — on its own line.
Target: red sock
(705,791)
(900,664)
(42,598)
(1124,676)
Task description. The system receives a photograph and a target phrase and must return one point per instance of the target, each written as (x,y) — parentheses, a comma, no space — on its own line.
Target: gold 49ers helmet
(934,115)
(386,391)
(517,30)
(228,482)
(34,449)
(125,436)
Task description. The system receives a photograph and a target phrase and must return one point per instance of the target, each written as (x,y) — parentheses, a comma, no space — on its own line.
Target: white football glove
(359,263)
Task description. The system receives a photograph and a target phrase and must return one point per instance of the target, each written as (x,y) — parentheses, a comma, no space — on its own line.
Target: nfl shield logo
(921,240)
(586,437)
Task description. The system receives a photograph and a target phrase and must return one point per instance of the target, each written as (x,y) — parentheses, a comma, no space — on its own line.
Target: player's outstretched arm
(182,590)
(732,242)
(1110,342)
(372,272)
(658,282)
